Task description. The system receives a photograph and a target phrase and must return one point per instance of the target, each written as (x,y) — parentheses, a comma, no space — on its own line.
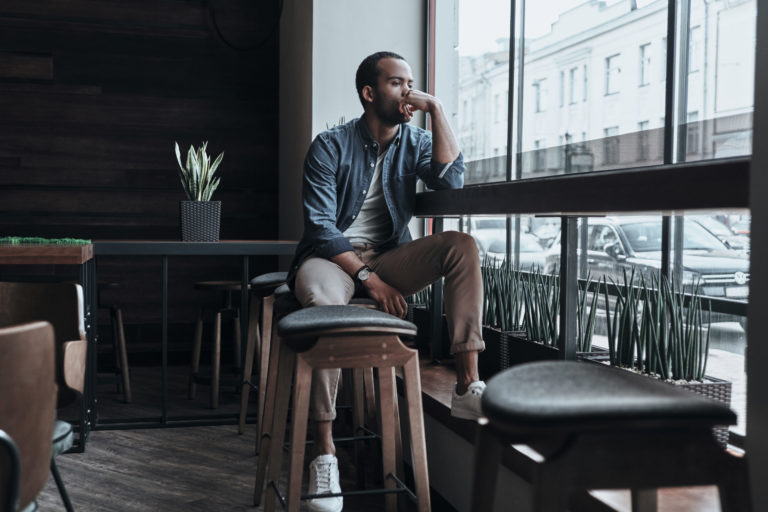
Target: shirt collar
(365,133)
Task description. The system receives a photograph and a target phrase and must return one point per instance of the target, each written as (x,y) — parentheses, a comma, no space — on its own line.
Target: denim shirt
(337,175)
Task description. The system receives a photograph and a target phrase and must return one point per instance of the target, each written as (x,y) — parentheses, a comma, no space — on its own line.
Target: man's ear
(368,93)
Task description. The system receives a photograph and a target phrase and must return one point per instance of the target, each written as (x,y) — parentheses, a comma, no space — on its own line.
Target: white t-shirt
(373,223)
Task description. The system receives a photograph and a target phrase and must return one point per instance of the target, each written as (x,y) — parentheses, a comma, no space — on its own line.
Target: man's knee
(460,242)
(320,294)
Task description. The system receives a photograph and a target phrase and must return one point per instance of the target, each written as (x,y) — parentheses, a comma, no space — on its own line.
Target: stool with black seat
(263,290)
(599,427)
(228,308)
(343,337)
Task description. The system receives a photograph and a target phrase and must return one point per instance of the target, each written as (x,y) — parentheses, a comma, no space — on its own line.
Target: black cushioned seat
(569,395)
(282,290)
(265,284)
(324,318)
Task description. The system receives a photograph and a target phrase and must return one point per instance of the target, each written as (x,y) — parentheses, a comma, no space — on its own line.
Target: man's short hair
(368,71)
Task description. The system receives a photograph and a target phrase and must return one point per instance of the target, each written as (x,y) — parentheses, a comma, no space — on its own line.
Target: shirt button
(373,165)
(354,216)
(365,146)
(364,191)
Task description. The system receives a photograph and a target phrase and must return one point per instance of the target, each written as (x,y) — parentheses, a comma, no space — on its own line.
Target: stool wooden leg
(270,460)
(386,404)
(123,352)
(358,420)
(196,355)
(301,389)
(236,342)
(265,356)
(250,347)
(264,421)
(487,458)
(416,427)
(216,362)
(734,487)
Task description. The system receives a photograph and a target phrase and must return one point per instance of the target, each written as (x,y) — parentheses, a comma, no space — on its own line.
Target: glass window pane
(482,67)
(717,119)
(610,50)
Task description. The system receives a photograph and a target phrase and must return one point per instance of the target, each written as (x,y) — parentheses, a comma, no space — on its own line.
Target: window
(713,115)
(612,71)
(540,92)
(645,64)
(692,135)
(572,85)
(539,156)
(643,151)
(497,108)
(611,145)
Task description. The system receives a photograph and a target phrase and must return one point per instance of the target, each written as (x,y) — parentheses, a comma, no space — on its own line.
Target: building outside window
(692,134)
(540,92)
(562,88)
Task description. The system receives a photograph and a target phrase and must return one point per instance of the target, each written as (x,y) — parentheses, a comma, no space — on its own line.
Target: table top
(178,248)
(45,254)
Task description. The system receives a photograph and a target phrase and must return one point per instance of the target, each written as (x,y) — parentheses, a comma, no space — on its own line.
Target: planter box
(422,317)
(508,348)
(711,387)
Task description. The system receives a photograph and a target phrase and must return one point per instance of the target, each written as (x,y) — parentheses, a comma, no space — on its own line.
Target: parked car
(731,239)
(490,234)
(616,244)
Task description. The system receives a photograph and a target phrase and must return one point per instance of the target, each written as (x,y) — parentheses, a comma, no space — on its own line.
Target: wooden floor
(211,468)
(191,469)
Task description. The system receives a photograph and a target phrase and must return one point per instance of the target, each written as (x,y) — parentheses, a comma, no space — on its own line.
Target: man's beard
(390,112)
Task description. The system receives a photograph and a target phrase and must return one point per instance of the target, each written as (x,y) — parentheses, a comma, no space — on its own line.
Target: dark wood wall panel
(93,95)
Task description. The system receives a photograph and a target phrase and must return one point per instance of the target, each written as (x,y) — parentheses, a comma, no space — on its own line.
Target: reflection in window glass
(605,48)
(482,67)
(536,237)
(720,80)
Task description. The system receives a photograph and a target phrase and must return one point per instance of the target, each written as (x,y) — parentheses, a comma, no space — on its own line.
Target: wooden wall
(93,94)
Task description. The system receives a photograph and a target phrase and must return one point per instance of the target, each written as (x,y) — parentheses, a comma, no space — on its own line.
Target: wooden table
(81,255)
(166,248)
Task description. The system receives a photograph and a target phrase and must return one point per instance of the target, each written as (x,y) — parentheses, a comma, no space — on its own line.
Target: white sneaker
(467,406)
(324,479)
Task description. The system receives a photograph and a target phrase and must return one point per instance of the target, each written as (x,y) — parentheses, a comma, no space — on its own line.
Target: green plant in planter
(197,175)
(586,316)
(656,330)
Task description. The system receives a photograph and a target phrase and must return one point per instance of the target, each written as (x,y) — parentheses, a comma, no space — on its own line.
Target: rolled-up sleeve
(436,175)
(319,198)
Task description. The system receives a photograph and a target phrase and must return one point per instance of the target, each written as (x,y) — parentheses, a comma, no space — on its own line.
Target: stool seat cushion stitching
(270,279)
(568,395)
(317,318)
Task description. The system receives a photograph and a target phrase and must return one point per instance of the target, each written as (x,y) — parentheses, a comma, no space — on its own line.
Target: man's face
(395,80)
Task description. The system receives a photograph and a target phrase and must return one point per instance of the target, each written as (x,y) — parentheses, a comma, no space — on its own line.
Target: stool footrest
(400,489)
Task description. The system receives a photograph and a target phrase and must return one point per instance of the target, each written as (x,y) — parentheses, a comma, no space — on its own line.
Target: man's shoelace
(323,478)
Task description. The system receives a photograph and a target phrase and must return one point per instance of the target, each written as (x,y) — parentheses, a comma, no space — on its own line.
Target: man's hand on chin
(390,300)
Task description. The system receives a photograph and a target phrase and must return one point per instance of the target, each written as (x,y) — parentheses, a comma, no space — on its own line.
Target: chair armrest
(73,363)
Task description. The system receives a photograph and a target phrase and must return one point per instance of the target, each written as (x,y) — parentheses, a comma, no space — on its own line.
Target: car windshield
(646,237)
(715,226)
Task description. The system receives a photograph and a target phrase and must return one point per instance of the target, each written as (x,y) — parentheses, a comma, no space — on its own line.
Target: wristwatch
(363,274)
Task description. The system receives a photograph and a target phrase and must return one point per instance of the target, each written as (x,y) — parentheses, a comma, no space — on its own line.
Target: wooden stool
(599,427)
(226,287)
(343,337)
(118,339)
(263,289)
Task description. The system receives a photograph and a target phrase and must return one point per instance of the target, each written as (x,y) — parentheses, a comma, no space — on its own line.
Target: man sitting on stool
(358,194)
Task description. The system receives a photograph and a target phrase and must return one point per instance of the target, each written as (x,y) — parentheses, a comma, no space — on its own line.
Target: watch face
(363,274)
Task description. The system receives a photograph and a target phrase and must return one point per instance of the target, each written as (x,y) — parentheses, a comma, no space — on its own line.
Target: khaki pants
(408,268)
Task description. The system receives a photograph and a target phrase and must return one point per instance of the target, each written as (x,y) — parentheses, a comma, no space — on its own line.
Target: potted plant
(657,330)
(200,217)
